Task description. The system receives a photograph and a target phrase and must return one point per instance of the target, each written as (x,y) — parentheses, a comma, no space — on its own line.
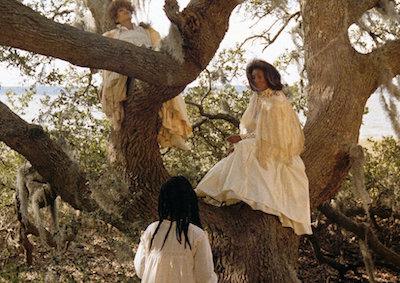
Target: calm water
(376,124)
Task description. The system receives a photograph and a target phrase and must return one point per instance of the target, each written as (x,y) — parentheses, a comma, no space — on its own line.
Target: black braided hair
(178,203)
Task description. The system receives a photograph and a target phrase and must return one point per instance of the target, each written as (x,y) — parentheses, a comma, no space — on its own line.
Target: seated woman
(265,169)
(176,127)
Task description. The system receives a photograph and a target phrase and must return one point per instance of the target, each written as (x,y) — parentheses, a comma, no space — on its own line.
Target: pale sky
(375,123)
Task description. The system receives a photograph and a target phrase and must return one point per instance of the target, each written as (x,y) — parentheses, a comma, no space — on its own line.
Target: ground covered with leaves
(101,253)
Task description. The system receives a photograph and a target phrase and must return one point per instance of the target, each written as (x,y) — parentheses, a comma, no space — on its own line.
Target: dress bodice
(138,36)
(248,122)
(271,120)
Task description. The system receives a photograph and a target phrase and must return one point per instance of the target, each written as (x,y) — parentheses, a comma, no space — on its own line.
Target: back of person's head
(178,203)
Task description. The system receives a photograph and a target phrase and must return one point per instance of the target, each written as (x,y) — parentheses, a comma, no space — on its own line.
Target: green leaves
(382,175)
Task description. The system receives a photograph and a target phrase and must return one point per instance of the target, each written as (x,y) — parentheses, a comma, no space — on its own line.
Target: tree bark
(340,82)
(251,246)
(362,231)
(24,28)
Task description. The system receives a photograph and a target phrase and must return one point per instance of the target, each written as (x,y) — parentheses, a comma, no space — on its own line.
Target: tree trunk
(251,246)
(340,82)
(248,246)
(262,251)
(135,148)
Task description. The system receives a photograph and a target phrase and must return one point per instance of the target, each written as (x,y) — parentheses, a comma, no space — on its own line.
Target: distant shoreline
(375,125)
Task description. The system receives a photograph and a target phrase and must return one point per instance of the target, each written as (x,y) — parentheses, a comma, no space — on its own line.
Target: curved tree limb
(54,165)
(215,116)
(386,61)
(362,231)
(46,156)
(359,7)
(26,29)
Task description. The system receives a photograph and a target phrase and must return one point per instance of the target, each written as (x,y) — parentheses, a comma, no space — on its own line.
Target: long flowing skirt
(280,189)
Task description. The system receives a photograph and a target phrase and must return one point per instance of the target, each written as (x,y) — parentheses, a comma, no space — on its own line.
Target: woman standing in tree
(175,127)
(265,169)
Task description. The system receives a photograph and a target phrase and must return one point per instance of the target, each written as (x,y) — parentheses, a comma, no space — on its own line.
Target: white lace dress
(265,169)
(176,127)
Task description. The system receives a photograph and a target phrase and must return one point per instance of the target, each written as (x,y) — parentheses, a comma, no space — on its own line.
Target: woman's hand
(234,139)
(230,150)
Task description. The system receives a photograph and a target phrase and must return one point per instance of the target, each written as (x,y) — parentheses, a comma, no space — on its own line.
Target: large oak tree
(249,246)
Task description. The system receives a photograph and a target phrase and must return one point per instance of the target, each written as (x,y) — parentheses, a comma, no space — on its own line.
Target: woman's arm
(247,136)
(203,262)
(234,139)
(140,257)
(279,134)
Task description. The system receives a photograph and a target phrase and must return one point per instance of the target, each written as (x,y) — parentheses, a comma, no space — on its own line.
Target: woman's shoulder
(198,233)
(151,228)
(278,97)
(142,30)
(196,229)
(111,33)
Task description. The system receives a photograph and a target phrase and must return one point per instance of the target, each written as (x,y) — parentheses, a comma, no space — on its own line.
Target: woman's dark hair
(271,74)
(116,5)
(178,203)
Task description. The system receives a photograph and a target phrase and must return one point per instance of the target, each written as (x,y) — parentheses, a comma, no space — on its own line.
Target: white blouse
(176,127)
(271,120)
(174,263)
(138,36)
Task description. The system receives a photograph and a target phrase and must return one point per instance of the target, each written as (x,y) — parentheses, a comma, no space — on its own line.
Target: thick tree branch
(333,120)
(386,62)
(202,25)
(359,7)
(215,116)
(46,156)
(362,231)
(25,29)
(201,29)
(63,174)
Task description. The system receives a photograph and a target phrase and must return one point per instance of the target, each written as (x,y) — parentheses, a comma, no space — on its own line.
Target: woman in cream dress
(265,169)
(175,127)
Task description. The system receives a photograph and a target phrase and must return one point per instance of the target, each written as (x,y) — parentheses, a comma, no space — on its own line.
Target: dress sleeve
(176,127)
(155,38)
(203,261)
(278,133)
(140,257)
(113,91)
(247,122)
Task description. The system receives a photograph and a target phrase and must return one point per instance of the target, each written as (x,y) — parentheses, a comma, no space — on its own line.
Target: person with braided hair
(175,248)
(175,128)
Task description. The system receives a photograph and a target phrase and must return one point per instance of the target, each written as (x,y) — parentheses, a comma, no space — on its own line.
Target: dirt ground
(100,253)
